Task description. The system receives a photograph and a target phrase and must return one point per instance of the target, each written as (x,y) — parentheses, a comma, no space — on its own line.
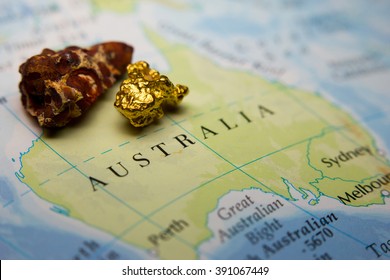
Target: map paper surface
(280,150)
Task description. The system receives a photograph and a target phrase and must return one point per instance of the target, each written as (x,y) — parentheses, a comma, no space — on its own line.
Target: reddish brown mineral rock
(59,86)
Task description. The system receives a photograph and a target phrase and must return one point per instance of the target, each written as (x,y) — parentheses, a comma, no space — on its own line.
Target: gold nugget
(142,95)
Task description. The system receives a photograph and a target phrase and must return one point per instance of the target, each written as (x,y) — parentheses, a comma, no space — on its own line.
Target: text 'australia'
(175,145)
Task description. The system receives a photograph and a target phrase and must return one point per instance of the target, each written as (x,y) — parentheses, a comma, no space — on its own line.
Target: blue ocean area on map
(240,248)
(6,195)
(53,242)
(46,244)
(232,25)
(366,111)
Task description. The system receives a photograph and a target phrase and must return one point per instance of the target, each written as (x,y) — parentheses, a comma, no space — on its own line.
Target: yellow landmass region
(154,187)
(125,6)
(117,6)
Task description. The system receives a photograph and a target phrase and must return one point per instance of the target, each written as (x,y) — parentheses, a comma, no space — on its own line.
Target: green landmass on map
(154,187)
(125,6)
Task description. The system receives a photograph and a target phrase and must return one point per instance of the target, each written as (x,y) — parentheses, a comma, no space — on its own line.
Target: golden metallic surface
(142,95)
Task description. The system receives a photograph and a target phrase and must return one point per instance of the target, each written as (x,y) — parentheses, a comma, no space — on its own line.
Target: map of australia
(235,131)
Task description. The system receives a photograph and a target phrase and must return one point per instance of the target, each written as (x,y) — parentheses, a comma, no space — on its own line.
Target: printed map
(280,151)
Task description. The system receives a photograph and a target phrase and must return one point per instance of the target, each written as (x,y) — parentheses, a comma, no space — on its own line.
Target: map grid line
(261,183)
(146,217)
